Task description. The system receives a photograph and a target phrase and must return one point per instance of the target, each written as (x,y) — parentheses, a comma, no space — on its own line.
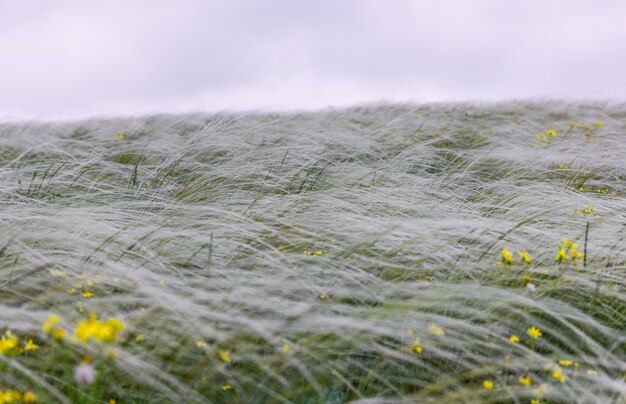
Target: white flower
(531,287)
(85,373)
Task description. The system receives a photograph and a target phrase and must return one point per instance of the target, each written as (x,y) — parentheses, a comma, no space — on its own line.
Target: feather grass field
(391,253)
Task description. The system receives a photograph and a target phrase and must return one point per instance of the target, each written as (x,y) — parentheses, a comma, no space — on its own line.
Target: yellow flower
(527,278)
(120,135)
(487,384)
(592,372)
(58,333)
(9,344)
(87,329)
(227,387)
(225,356)
(49,323)
(562,255)
(514,338)
(526,381)
(87,294)
(417,347)
(569,244)
(29,398)
(139,338)
(534,401)
(323,297)
(316,253)
(526,258)
(552,132)
(109,330)
(558,375)
(565,362)
(200,344)
(31,346)
(598,123)
(507,257)
(286,347)
(435,329)
(104,331)
(534,332)
(12,396)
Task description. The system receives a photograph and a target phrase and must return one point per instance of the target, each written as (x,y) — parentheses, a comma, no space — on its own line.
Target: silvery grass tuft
(344,255)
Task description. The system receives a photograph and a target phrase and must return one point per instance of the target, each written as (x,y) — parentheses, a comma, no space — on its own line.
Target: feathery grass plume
(179,222)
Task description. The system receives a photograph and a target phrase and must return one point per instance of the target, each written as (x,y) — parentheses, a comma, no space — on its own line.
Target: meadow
(377,254)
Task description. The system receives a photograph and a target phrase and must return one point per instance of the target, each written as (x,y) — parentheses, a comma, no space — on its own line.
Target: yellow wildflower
(565,362)
(526,381)
(592,372)
(225,356)
(416,347)
(200,344)
(562,255)
(487,384)
(227,387)
(9,344)
(534,332)
(29,398)
(569,244)
(49,323)
(323,297)
(535,401)
(514,338)
(104,331)
(31,346)
(507,257)
(87,294)
(527,278)
(139,338)
(558,375)
(286,347)
(58,333)
(119,135)
(526,258)
(12,396)
(598,123)
(551,132)
(435,329)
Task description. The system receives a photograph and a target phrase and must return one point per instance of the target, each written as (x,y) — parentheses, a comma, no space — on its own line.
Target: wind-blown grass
(314,249)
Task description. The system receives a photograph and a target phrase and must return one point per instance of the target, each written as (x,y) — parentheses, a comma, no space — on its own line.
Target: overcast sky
(73,59)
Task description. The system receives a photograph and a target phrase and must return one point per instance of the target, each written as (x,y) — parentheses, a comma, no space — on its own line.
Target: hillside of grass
(395,253)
